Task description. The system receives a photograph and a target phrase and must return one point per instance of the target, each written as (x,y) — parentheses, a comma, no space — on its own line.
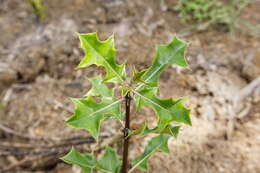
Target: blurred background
(39,51)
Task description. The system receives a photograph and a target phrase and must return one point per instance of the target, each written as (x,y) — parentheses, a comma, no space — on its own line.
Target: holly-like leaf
(101,53)
(136,76)
(86,162)
(156,144)
(99,88)
(172,130)
(166,55)
(167,110)
(139,99)
(145,130)
(89,114)
(109,162)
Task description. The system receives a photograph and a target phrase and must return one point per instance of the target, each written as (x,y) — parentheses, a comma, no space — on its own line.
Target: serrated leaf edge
(102,109)
(184,45)
(109,38)
(151,101)
(92,114)
(147,156)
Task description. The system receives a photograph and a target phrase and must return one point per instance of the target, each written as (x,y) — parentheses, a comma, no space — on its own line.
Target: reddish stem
(126,137)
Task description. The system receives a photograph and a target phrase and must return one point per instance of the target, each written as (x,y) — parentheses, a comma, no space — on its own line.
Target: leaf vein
(105,61)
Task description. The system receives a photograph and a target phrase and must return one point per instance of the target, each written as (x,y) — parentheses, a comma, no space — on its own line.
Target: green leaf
(169,129)
(138,99)
(99,88)
(109,162)
(89,114)
(86,162)
(166,55)
(167,110)
(136,76)
(101,53)
(156,144)
(172,130)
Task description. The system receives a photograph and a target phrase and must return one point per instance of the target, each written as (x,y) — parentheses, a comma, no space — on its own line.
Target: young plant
(141,88)
(211,12)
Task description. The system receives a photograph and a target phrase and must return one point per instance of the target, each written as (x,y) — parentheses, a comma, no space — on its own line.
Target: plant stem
(126,137)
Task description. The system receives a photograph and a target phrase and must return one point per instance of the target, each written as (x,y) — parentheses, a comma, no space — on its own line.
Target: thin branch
(41,154)
(10,131)
(12,146)
(126,137)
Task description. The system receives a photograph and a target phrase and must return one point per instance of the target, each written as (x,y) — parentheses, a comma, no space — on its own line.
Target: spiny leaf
(136,76)
(138,99)
(166,55)
(101,53)
(109,162)
(86,162)
(167,110)
(89,114)
(158,143)
(169,129)
(99,88)
(173,53)
(172,130)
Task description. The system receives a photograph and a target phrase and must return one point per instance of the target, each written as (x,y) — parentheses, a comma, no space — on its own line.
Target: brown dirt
(37,77)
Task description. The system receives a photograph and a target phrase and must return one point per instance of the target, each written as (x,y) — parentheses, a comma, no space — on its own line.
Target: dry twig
(60,149)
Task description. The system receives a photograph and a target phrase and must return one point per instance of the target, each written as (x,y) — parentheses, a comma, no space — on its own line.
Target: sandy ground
(37,77)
